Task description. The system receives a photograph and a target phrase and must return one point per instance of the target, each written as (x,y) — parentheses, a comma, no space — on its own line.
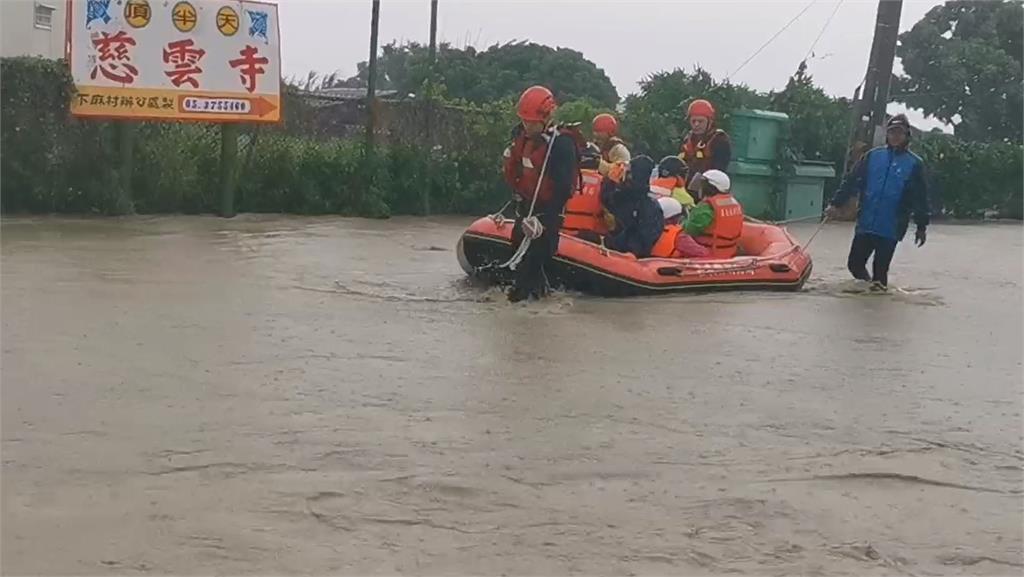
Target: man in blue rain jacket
(891,185)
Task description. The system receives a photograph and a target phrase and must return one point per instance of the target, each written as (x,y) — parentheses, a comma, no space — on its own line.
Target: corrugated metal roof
(346,93)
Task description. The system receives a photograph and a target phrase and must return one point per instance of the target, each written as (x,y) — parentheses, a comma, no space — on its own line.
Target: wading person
(891,185)
(541,167)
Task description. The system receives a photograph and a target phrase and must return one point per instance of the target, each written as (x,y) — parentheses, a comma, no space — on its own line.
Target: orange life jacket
(697,150)
(666,245)
(663,186)
(524,160)
(608,146)
(583,210)
(726,228)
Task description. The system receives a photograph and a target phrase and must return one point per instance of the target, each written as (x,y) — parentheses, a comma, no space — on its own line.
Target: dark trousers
(529,276)
(860,251)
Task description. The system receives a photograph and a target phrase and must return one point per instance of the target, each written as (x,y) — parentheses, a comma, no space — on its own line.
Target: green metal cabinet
(752,184)
(805,189)
(755,137)
(755,134)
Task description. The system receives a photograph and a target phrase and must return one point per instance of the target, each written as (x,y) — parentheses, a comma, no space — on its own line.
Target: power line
(772,39)
(823,28)
(948,92)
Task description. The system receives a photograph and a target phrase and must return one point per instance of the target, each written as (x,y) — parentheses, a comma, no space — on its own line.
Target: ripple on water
(851,288)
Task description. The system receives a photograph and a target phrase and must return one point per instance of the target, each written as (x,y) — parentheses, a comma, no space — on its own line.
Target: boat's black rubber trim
(655,288)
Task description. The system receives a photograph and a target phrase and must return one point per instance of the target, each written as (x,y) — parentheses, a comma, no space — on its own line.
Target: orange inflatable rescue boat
(768,258)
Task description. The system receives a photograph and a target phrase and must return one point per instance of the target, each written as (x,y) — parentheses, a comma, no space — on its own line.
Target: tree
(500,71)
(962,65)
(582,111)
(655,118)
(819,123)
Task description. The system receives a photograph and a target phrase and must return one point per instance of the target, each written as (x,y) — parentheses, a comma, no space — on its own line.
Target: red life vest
(608,146)
(664,185)
(583,210)
(524,160)
(697,150)
(666,245)
(726,228)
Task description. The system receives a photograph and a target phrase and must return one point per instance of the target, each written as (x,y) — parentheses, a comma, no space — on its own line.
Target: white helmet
(670,207)
(718,179)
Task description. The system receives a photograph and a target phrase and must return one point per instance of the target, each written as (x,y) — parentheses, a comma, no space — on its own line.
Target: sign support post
(431,108)
(228,168)
(123,203)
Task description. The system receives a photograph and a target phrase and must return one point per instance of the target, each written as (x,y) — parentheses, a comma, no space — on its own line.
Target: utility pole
(852,154)
(431,108)
(371,79)
(433,32)
(870,120)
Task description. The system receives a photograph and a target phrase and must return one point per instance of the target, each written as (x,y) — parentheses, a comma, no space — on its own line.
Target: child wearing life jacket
(670,182)
(717,221)
(673,242)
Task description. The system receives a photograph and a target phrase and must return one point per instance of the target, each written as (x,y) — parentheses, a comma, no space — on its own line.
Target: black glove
(920,236)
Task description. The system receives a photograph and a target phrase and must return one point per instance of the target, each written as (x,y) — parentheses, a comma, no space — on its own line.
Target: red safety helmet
(606,123)
(701,107)
(536,104)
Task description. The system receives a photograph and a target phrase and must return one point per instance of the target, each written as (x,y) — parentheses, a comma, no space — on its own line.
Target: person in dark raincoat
(638,219)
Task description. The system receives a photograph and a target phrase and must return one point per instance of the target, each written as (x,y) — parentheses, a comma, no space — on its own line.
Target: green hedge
(970,179)
(52,162)
(46,166)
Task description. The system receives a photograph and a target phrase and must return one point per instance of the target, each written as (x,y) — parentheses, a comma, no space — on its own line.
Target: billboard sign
(206,60)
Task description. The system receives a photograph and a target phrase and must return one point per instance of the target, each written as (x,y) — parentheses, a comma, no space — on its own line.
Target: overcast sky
(628,39)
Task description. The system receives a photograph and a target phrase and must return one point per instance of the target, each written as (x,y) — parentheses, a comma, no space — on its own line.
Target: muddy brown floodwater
(273,395)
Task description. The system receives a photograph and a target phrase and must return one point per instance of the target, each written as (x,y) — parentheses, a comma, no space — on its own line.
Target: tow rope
(532,228)
(821,225)
(824,219)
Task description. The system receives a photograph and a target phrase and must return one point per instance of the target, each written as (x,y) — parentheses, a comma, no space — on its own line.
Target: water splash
(852,288)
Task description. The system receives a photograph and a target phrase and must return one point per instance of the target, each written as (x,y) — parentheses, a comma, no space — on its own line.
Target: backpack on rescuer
(525,158)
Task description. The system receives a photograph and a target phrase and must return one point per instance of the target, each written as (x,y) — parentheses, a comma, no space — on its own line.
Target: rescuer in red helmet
(705,146)
(606,135)
(541,166)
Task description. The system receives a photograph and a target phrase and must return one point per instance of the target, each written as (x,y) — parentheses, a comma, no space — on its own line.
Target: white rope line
(517,257)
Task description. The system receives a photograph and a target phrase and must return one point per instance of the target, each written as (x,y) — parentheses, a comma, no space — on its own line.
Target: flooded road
(275,395)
